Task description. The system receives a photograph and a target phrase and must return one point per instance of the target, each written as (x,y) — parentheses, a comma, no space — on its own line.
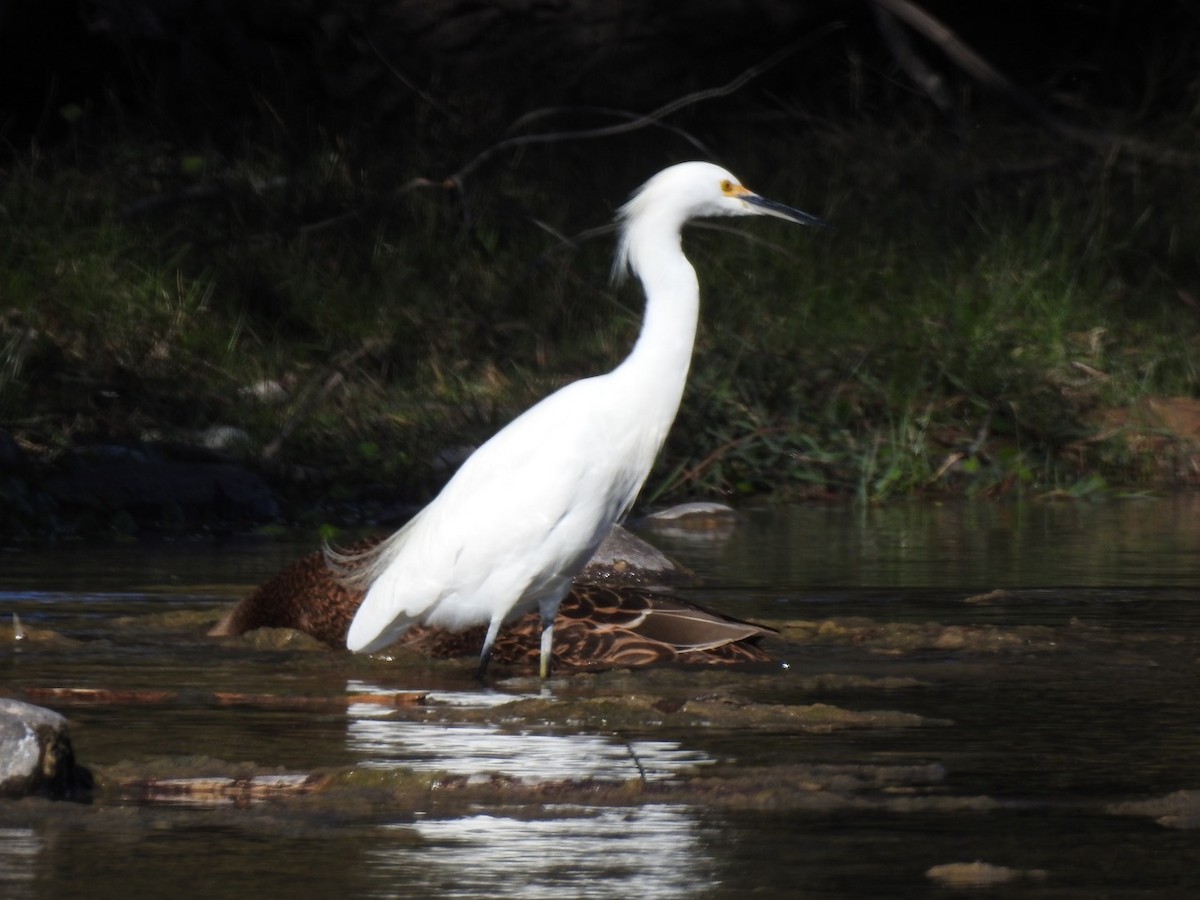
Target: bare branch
(910,61)
(408,83)
(551,111)
(989,76)
(650,118)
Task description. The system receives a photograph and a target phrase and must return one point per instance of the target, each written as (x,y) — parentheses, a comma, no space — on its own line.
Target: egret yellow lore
(527,510)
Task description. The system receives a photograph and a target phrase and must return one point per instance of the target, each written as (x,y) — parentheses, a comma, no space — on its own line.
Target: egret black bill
(782,211)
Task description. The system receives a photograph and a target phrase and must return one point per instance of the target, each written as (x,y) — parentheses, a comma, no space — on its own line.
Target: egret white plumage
(527,510)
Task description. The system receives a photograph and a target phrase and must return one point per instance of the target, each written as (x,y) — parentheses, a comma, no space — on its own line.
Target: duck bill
(780,211)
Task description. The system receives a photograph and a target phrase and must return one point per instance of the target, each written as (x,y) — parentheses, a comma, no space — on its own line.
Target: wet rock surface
(979,874)
(36,756)
(624,558)
(156,489)
(1180,809)
(124,489)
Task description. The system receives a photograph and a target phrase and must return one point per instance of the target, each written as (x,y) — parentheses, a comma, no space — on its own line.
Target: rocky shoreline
(125,489)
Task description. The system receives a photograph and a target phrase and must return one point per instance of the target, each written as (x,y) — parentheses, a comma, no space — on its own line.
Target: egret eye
(727,186)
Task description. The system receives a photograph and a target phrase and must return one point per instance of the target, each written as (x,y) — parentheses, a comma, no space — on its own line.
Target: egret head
(693,190)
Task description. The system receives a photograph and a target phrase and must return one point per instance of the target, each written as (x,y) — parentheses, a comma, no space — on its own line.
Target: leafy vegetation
(964,329)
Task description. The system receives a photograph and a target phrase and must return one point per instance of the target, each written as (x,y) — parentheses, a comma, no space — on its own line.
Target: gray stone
(703,521)
(226,438)
(36,756)
(143,486)
(624,558)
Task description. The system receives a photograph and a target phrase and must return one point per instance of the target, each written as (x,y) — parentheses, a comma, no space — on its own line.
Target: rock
(1180,809)
(36,756)
(227,439)
(624,558)
(268,390)
(699,510)
(693,521)
(151,490)
(979,874)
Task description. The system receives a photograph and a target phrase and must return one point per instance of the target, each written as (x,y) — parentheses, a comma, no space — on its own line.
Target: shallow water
(1084,694)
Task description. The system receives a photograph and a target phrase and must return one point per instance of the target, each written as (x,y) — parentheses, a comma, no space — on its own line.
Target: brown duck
(598,626)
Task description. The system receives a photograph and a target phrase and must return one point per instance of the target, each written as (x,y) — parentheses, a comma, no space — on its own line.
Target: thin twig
(634,122)
(650,118)
(636,761)
(408,82)
(550,111)
(906,56)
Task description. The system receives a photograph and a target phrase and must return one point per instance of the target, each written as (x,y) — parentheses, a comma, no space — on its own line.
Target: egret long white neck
(658,364)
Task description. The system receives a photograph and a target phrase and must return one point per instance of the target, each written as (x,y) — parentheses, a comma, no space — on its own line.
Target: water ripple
(652,851)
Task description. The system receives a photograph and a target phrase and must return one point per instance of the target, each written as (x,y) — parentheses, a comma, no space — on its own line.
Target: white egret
(526,510)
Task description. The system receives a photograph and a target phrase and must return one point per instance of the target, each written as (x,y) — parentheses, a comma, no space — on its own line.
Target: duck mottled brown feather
(597,626)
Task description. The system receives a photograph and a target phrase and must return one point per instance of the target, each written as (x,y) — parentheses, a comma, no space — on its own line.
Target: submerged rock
(897,638)
(1178,810)
(36,756)
(221,790)
(979,874)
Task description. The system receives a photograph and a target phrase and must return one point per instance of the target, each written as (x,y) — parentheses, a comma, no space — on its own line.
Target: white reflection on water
(19,850)
(649,851)
(566,851)
(484,750)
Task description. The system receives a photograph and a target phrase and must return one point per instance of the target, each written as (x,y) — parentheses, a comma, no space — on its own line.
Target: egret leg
(548,608)
(547,648)
(486,655)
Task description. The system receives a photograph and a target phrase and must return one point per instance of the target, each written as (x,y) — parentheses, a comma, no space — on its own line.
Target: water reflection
(648,851)
(958,544)
(1100,709)
(484,750)
(19,851)
(77,610)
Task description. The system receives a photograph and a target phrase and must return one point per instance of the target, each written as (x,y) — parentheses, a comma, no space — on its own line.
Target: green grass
(958,332)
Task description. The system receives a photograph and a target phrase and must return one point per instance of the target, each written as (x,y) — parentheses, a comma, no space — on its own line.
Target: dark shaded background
(223,70)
